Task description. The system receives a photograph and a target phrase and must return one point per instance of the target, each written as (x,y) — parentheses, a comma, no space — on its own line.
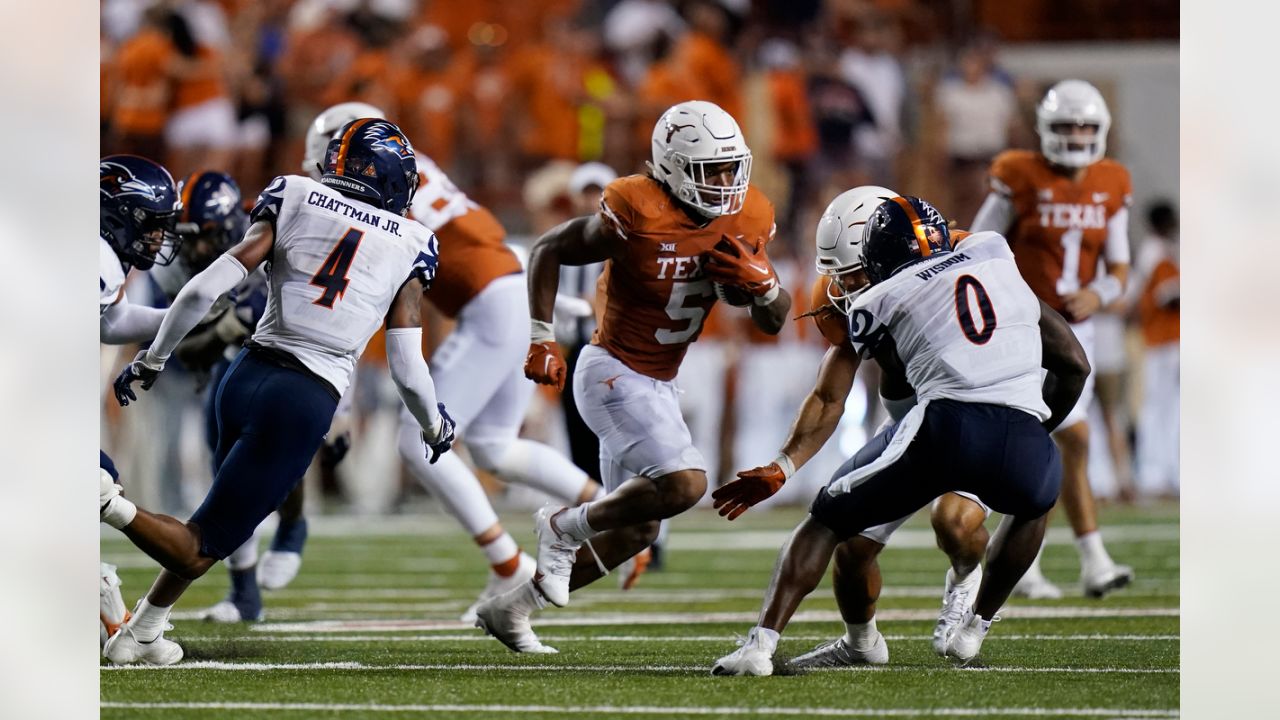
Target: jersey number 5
(332,275)
(676,310)
(965,314)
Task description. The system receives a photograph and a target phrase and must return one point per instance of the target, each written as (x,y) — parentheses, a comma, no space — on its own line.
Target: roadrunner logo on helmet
(372,160)
(839,241)
(138,205)
(695,146)
(900,232)
(1072,121)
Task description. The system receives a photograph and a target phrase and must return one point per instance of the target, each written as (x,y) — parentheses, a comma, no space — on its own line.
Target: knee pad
(488,453)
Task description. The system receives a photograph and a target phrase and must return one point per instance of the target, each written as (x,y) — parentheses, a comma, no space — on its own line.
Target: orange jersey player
(1062,209)
(668,237)
(478,371)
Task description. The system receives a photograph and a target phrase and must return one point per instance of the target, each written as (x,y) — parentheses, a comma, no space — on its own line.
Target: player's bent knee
(682,490)
(644,534)
(488,454)
(857,553)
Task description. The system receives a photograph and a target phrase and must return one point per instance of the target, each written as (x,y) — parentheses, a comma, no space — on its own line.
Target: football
(732,295)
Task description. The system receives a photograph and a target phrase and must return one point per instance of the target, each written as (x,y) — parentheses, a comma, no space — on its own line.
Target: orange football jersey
(1059,228)
(1160,325)
(472,252)
(653,291)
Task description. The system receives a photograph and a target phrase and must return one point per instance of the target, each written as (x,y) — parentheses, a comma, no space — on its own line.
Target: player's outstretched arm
(193,303)
(1068,366)
(124,323)
(578,241)
(410,373)
(817,420)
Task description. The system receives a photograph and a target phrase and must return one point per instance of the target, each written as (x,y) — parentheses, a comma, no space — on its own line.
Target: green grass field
(369,629)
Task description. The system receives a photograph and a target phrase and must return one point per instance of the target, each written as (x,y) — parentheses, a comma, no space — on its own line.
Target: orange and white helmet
(325,126)
(692,137)
(839,238)
(1072,104)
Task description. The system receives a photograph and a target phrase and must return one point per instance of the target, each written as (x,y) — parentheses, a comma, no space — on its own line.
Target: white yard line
(539,667)
(651,710)
(478,637)
(553,620)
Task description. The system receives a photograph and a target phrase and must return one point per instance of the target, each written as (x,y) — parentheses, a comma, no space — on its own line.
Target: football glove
(752,486)
(746,266)
(143,369)
(441,444)
(545,364)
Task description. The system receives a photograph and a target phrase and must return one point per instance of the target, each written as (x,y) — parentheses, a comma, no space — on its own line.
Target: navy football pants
(1000,454)
(271,420)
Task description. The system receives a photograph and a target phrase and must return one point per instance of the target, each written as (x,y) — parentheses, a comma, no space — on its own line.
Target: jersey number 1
(332,275)
(965,315)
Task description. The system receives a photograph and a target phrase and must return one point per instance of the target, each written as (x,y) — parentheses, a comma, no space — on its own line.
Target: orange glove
(733,498)
(743,265)
(545,364)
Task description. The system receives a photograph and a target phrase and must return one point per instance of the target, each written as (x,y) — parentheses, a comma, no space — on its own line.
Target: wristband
(1107,287)
(768,297)
(784,462)
(541,331)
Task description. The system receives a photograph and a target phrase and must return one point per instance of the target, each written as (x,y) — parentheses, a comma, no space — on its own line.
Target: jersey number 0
(332,275)
(965,314)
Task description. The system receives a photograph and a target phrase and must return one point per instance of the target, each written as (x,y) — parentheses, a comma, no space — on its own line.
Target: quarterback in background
(1062,209)
(671,238)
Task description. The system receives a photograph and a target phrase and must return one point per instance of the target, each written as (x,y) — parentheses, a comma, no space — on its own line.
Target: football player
(344,260)
(1061,209)
(957,517)
(137,207)
(667,236)
(478,371)
(963,329)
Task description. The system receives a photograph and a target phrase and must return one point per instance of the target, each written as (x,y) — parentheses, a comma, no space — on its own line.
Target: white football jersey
(111,276)
(336,266)
(965,325)
(438,201)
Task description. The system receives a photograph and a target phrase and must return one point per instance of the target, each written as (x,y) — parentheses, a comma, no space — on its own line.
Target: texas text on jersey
(654,292)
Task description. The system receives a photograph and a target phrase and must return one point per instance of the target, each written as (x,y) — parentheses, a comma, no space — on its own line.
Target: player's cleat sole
(277,569)
(838,653)
(124,649)
(556,555)
(499,585)
(957,599)
(509,627)
(1100,584)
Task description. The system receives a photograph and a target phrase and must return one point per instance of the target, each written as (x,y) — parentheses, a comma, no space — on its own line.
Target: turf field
(369,629)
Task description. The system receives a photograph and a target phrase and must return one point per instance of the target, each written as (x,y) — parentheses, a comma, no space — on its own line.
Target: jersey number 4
(965,314)
(332,275)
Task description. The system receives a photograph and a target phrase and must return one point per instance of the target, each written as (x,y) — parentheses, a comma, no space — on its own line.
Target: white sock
(861,636)
(502,550)
(149,620)
(1092,553)
(573,522)
(766,638)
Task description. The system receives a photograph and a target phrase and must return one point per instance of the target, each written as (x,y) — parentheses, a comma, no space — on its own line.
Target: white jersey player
(342,261)
(968,335)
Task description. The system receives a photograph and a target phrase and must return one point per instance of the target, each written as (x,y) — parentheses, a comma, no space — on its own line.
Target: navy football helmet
(372,160)
(138,206)
(212,219)
(903,230)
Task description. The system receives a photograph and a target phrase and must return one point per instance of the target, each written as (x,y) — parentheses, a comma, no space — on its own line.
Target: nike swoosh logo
(758,268)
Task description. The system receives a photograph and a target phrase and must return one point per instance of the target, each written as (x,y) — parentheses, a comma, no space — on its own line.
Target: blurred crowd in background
(531,107)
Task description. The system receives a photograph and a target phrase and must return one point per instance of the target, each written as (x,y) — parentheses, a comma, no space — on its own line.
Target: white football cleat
(631,570)
(278,569)
(755,657)
(556,553)
(1035,586)
(1100,581)
(497,617)
(499,585)
(227,612)
(838,653)
(125,649)
(965,641)
(957,599)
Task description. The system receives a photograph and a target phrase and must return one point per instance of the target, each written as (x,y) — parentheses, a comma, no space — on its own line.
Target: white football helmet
(839,238)
(324,127)
(688,139)
(1073,103)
